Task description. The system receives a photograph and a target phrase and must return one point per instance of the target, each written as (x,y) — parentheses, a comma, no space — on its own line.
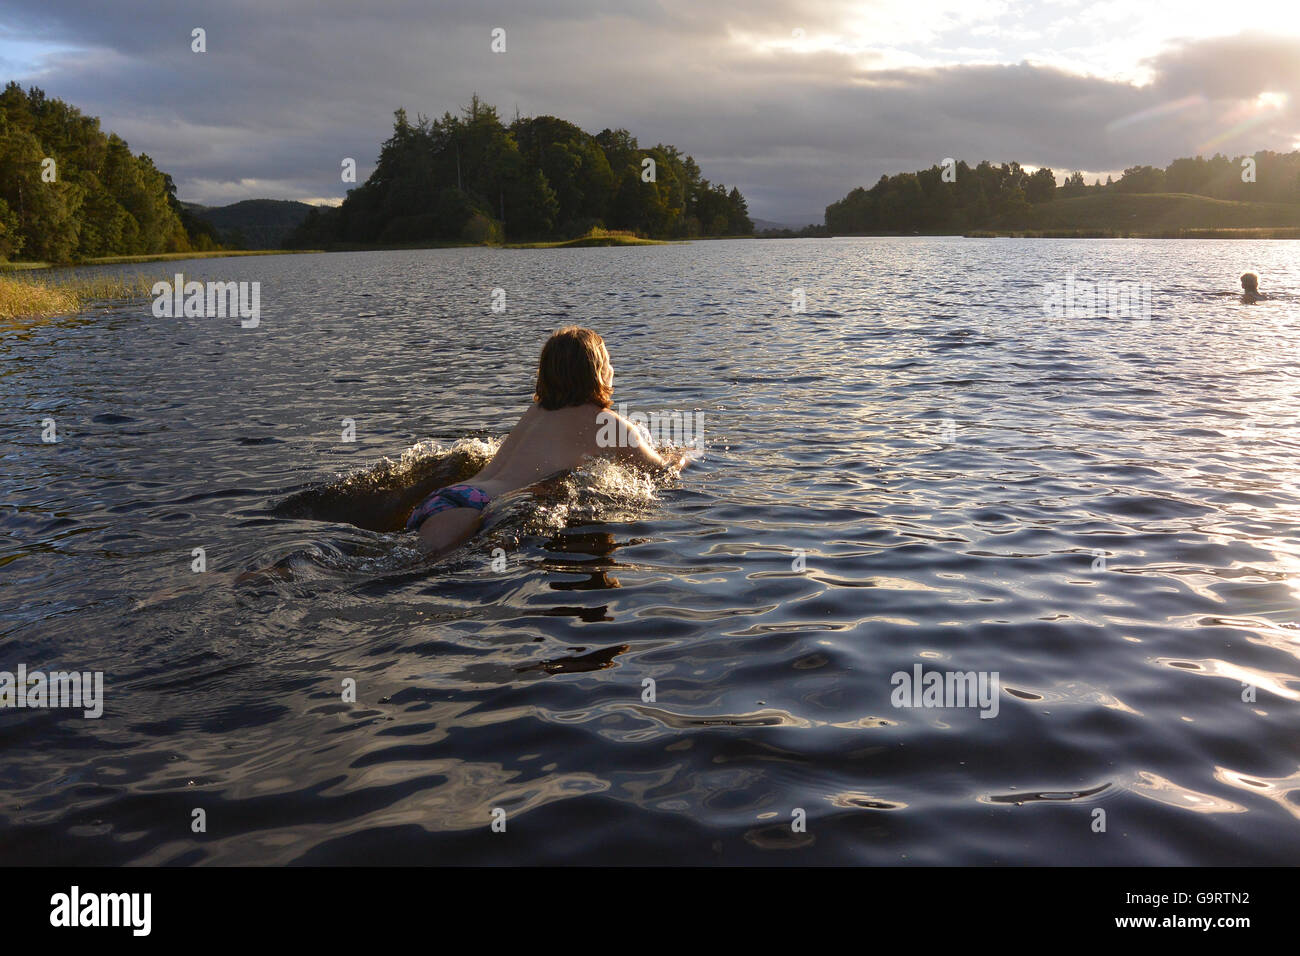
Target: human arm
(630,443)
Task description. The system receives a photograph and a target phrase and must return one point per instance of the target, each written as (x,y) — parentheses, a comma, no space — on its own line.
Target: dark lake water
(922,468)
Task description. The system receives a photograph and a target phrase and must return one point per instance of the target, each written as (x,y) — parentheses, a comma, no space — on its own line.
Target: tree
(1141,179)
(739,224)
(1041,186)
(1074,185)
(469,177)
(75,192)
(46,211)
(1013,205)
(11,239)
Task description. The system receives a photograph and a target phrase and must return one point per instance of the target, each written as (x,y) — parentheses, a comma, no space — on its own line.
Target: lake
(909,468)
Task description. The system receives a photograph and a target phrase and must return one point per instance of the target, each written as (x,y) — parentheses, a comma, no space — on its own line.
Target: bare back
(545,442)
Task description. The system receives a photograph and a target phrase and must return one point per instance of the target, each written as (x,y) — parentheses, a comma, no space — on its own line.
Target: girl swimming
(567,423)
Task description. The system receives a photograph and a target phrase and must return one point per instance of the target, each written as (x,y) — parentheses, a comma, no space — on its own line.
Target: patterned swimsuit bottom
(444,499)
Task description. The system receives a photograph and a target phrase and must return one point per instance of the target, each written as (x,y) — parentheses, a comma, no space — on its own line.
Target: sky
(794,101)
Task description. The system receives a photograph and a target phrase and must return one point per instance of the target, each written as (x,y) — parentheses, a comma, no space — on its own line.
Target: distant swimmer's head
(1250,282)
(574,370)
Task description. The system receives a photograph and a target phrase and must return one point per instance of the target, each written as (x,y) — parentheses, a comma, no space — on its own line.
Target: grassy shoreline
(6,266)
(593,238)
(25,296)
(35,298)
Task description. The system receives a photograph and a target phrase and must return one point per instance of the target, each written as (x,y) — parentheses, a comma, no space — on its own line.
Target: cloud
(286,91)
(1235,67)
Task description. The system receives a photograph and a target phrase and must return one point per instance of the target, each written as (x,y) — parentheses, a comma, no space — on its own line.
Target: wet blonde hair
(574,370)
(1250,282)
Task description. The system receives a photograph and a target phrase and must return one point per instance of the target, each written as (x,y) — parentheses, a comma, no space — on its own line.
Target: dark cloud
(286,90)
(1230,67)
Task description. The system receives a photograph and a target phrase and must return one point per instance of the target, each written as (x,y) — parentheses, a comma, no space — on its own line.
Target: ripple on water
(920,469)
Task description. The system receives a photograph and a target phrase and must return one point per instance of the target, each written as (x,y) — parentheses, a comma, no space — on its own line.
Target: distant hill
(1156,213)
(1192,196)
(253,223)
(797,223)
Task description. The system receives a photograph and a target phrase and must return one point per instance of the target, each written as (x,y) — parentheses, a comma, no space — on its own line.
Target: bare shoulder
(609,428)
(573,426)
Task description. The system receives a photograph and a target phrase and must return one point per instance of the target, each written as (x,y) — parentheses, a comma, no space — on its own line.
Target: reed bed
(28,297)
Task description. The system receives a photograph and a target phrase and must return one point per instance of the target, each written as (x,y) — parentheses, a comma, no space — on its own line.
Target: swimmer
(1250,288)
(570,410)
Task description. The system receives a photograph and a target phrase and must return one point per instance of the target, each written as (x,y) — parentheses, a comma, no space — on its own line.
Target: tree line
(472,178)
(941,198)
(1264,176)
(959,197)
(70,192)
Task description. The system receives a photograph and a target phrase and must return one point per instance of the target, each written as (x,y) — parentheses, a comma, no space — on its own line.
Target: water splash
(379,498)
